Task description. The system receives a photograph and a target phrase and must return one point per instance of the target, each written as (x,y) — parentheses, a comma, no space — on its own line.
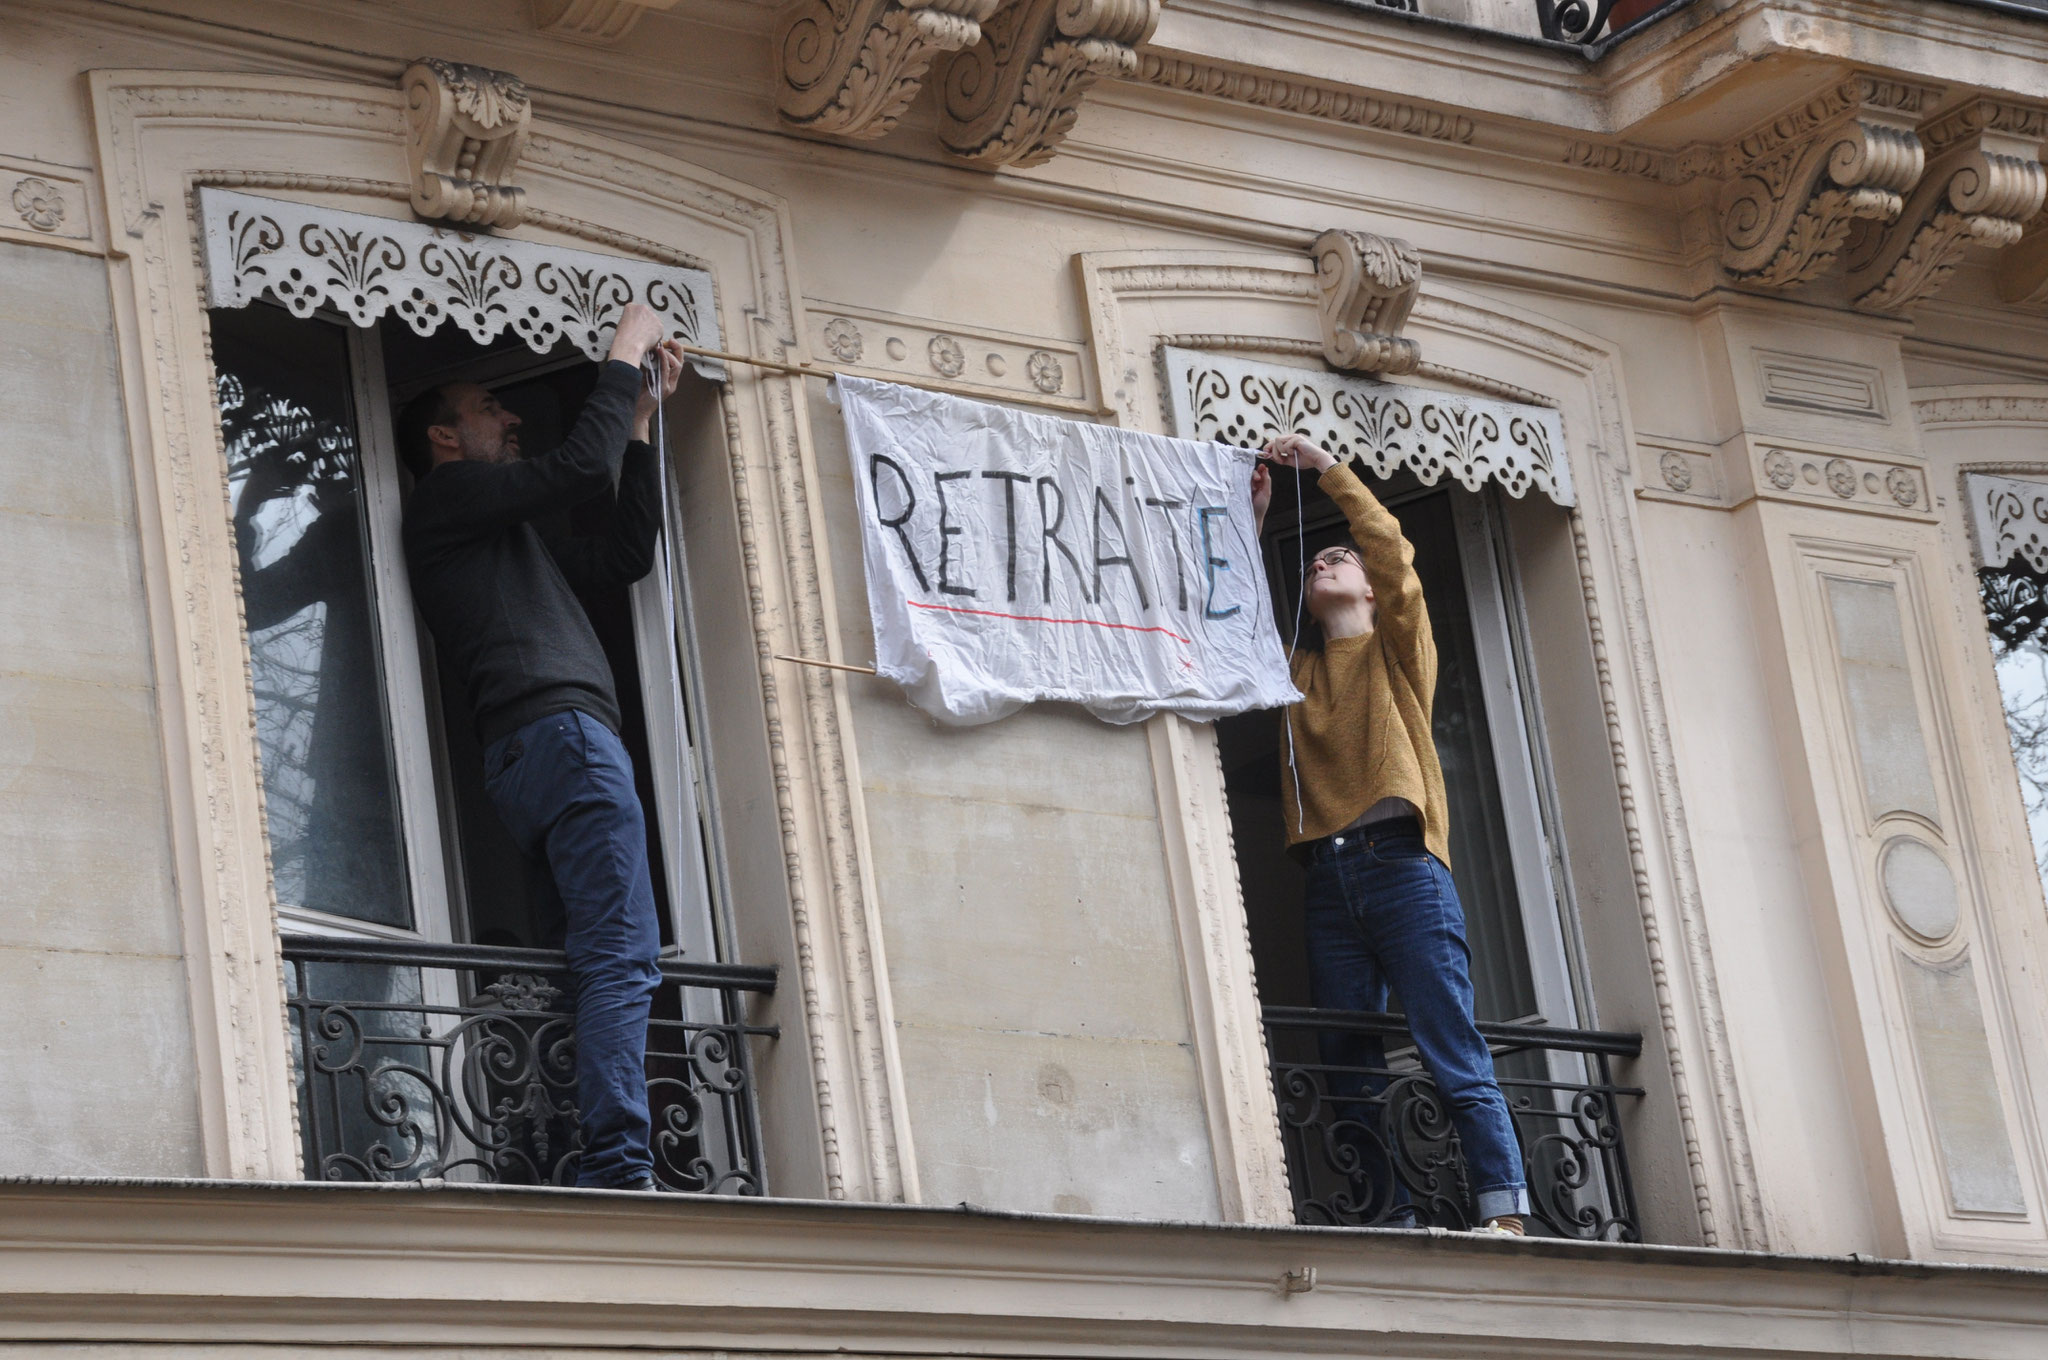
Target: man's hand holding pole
(638,335)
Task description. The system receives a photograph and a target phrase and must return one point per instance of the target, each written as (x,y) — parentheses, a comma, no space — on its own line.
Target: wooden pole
(800,370)
(824,665)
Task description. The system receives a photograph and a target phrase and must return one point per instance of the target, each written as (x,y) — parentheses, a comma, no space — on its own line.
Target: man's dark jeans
(564,786)
(1382,911)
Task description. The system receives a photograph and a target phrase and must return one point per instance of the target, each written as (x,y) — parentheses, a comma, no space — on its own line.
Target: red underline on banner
(1040,618)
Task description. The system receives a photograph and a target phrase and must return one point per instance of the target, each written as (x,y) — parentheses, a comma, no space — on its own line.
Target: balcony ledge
(227,1262)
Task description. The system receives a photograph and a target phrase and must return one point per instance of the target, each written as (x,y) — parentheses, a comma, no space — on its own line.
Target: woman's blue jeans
(564,786)
(1383,913)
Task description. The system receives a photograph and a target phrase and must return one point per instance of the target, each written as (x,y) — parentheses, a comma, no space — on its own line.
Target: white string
(1300,598)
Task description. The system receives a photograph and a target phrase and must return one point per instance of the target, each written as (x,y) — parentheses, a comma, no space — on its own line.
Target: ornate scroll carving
(1379,426)
(851,67)
(1012,98)
(1799,183)
(1983,184)
(364,266)
(465,126)
(1367,285)
(597,22)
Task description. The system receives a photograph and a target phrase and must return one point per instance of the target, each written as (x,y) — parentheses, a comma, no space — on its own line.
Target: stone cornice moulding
(686,1273)
(1801,180)
(1308,98)
(1366,286)
(163,135)
(465,129)
(1984,181)
(1011,98)
(1995,404)
(599,23)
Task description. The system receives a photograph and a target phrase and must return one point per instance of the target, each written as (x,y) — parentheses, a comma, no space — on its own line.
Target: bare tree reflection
(314,669)
(2016,609)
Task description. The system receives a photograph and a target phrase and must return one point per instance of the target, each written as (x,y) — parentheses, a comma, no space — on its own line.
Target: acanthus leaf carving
(466,127)
(851,67)
(1798,184)
(1012,98)
(1985,182)
(1367,285)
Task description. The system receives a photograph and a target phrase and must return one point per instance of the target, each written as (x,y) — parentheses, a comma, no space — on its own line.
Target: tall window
(2012,584)
(1501,854)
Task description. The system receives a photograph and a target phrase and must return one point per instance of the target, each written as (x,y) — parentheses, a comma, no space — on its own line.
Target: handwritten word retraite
(957,566)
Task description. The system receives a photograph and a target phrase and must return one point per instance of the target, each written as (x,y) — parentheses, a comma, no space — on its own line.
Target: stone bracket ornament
(597,22)
(1797,184)
(1366,286)
(1984,182)
(465,128)
(1012,97)
(851,67)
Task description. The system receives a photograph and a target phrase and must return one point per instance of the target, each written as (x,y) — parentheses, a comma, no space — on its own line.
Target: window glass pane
(2016,608)
(322,725)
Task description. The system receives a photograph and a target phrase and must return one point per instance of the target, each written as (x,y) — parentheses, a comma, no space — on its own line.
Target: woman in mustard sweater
(1369,820)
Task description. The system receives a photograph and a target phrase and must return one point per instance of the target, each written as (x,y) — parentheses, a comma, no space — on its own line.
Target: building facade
(1700,349)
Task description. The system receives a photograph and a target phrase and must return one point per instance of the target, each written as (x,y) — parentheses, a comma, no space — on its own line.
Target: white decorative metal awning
(2009,517)
(1379,426)
(364,267)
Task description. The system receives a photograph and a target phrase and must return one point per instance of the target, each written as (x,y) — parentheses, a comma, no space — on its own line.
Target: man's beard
(504,448)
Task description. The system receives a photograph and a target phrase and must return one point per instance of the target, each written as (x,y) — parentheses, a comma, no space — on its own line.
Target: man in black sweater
(499,600)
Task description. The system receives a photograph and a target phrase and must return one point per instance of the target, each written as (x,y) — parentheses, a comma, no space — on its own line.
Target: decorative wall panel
(1884,714)
(1379,426)
(1962,1087)
(308,257)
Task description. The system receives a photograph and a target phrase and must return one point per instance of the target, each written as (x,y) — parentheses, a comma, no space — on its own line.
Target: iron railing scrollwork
(418,1060)
(1588,21)
(1375,1146)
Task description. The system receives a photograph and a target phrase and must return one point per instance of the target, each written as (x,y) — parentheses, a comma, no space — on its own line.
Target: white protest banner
(1013,557)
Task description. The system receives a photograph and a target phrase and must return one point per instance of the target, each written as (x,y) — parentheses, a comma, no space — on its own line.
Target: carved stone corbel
(465,126)
(851,67)
(1984,182)
(1012,97)
(1800,182)
(597,22)
(1366,286)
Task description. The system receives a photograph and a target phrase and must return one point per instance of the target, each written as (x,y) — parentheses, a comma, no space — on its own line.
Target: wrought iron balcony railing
(1582,22)
(418,1060)
(1373,1146)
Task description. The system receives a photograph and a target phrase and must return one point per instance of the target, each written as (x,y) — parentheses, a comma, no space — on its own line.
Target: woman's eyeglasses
(1330,557)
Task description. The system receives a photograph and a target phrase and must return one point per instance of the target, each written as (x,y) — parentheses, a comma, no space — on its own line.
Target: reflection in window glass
(2016,608)
(300,521)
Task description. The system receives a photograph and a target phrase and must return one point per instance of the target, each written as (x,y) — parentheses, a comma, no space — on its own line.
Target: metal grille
(417,1060)
(1373,1146)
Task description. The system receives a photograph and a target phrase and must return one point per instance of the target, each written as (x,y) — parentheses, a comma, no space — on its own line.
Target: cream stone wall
(100,1064)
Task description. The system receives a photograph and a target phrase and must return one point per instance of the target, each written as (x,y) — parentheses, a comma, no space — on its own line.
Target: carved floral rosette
(363,267)
(1378,427)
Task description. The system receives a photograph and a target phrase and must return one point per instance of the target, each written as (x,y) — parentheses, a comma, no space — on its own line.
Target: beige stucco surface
(101,1068)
